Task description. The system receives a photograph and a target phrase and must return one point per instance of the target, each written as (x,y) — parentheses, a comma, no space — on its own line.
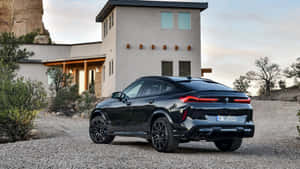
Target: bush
(64,93)
(19,104)
(86,103)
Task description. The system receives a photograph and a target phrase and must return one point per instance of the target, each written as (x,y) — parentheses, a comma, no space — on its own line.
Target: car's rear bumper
(215,131)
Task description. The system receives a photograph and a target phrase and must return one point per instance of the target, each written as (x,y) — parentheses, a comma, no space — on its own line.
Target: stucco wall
(142,26)
(86,50)
(35,72)
(48,52)
(109,50)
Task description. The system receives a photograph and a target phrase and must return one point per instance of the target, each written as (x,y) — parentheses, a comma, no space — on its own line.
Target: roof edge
(109,6)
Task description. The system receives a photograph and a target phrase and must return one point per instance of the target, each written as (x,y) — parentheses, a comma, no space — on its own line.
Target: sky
(234,32)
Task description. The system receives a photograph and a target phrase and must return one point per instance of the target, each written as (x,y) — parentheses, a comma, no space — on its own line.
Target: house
(140,38)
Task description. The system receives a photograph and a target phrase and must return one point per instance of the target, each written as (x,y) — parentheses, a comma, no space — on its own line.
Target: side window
(155,87)
(133,90)
(166,20)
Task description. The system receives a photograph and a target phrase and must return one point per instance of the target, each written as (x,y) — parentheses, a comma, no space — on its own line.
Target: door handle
(128,103)
(151,101)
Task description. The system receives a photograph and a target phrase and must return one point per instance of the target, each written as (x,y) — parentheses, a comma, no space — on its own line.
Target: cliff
(22,16)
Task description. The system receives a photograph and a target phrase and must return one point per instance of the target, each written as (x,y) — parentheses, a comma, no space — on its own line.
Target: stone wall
(21,16)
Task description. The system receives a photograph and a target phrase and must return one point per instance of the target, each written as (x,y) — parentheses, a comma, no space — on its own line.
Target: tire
(162,136)
(98,131)
(229,145)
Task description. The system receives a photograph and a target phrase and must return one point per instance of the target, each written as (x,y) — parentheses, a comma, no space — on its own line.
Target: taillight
(196,99)
(246,101)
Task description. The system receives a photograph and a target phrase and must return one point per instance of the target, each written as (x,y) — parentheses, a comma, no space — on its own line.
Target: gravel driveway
(274,146)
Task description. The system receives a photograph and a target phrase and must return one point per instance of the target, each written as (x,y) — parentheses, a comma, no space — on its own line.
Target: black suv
(171,110)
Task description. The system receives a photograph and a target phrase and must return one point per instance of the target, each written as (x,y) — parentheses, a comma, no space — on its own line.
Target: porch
(85,72)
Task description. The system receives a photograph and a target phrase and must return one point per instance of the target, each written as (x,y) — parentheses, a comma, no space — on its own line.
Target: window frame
(190,20)
(172,65)
(162,23)
(179,66)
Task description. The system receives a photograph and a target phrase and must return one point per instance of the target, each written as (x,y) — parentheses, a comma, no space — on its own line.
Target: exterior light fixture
(189,48)
(165,47)
(152,47)
(176,47)
(141,46)
(128,46)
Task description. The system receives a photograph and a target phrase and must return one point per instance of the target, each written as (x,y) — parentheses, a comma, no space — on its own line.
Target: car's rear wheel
(229,145)
(98,131)
(162,136)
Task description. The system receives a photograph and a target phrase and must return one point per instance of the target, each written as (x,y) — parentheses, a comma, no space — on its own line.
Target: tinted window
(155,87)
(133,90)
(167,68)
(184,68)
(205,85)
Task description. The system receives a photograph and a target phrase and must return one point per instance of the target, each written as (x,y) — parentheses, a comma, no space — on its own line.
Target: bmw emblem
(226,99)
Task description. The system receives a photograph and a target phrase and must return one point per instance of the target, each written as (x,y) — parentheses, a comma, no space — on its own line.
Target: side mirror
(118,95)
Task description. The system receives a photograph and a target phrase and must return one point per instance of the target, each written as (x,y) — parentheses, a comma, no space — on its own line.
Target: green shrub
(86,102)
(19,104)
(64,94)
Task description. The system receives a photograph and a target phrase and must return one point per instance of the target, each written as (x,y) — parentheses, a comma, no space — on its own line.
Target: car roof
(175,79)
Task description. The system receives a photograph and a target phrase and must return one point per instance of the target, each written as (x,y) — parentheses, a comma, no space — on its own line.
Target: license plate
(227,118)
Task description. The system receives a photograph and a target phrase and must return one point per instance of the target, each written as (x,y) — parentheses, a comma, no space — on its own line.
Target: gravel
(66,144)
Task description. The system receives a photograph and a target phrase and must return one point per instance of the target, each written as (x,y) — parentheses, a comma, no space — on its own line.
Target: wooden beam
(73,62)
(86,76)
(64,68)
(206,70)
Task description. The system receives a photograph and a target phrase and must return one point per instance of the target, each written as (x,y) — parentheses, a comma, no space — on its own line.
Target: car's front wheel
(162,136)
(98,131)
(229,145)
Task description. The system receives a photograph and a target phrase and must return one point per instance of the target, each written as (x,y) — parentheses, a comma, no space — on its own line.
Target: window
(50,80)
(204,85)
(167,68)
(112,19)
(105,28)
(184,68)
(133,90)
(109,18)
(184,21)
(166,20)
(155,87)
(103,73)
(112,67)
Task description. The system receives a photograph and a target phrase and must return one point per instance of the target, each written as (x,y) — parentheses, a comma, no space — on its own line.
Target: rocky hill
(22,16)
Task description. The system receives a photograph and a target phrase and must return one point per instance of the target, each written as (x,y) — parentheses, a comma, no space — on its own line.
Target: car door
(144,105)
(119,111)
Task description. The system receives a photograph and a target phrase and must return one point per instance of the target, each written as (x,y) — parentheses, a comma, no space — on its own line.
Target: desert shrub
(19,104)
(86,102)
(64,93)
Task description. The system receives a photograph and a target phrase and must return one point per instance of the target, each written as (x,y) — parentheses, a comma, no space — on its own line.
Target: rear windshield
(205,86)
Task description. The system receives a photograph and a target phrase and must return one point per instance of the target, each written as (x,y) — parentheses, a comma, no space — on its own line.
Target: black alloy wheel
(98,131)
(162,137)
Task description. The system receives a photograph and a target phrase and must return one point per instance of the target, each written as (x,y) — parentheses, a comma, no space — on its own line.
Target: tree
(59,79)
(242,84)
(11,54)
(294,70)
(282,84)
(266,73)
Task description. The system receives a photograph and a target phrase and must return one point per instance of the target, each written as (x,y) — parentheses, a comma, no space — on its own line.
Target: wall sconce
(128,46)
(189,48)
(152,47)
(165,47)
(141,46)
(176,47)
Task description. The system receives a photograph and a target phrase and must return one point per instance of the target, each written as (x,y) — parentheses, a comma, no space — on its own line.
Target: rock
(22,17)
(34,133)
(41,39)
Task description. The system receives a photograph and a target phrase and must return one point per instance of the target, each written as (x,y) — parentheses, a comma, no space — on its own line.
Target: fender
(161,113)
(97,112)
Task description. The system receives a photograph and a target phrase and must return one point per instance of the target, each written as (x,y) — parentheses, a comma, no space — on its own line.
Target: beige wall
(142,26)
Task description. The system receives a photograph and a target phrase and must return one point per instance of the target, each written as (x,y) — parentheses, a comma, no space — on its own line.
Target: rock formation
(22,16)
